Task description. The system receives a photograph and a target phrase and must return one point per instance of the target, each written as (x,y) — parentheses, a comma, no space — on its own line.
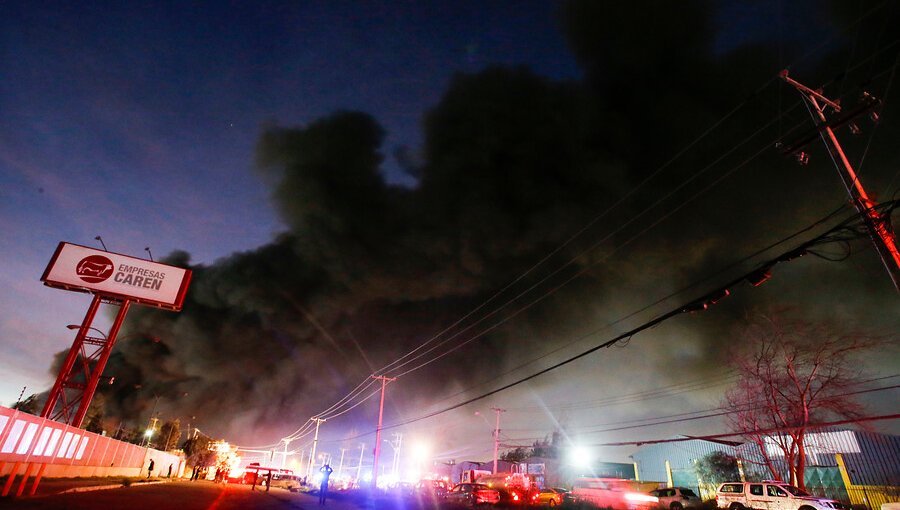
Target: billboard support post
(63,380)
(72,393)
(103,356)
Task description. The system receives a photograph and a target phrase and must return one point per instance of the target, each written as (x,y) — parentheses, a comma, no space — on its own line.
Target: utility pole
(396,464)
(384,380)
(395,447)
(341,465)
(312,454)
(362,449)
(878,224)
(151,429)
(497,435)
(287,441)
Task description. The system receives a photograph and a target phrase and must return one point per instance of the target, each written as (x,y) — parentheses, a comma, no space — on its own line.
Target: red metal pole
(37,479)
(12,478)
(91,386)
(879,230)
(21,489)
(65,372)
(384,381)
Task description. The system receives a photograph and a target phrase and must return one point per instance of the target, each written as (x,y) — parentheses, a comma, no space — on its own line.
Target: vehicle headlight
(643,498)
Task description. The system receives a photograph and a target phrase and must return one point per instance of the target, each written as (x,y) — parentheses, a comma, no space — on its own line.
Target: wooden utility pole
(362,448)
(384,380)
(878,224)
(287,441)
(341,466)
(312,454)
(497,435)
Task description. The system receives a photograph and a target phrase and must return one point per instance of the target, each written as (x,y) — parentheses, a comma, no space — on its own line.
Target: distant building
(861,468)
(548,472)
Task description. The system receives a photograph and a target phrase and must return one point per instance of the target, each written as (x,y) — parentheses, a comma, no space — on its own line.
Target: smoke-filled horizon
(542,213)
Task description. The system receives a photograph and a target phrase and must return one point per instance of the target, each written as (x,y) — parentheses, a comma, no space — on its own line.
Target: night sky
(350,179)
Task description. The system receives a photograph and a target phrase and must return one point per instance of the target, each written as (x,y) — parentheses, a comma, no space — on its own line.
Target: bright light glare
(581,456)
(421,451)
(637,496)
(148,432)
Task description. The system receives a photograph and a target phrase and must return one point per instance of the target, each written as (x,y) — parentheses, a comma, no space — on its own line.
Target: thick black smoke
(513,164)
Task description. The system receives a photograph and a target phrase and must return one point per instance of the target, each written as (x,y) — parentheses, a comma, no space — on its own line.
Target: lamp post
(151,424)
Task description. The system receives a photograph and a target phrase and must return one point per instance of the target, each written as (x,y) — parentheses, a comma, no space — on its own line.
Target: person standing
(323,488)
(150,468)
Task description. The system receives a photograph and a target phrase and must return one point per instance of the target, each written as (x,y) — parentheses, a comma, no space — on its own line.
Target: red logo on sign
(94,269)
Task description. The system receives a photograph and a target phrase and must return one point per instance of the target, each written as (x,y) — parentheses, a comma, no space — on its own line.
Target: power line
(391,366)
(844,228)
(397,363)
(664,391)
(594,246)
(685,417)
(696,175)
(756,431)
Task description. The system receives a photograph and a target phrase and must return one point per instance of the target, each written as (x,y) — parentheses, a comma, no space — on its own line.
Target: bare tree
(793,373)
(30,405)
(170,435)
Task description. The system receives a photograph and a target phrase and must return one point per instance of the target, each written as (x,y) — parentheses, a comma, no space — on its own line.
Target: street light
(147,435)
(421,452)
(76,326)
(151,337)
(581,456)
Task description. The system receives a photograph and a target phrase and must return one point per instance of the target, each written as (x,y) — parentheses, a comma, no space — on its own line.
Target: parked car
(516,496)
(550,497)
(770,495)
(568,497)
(403,489)
(473,494)
(676,498)
(433,491)
(615,493)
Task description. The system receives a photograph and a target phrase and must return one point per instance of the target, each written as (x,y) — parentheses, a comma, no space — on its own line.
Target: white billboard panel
(84,269)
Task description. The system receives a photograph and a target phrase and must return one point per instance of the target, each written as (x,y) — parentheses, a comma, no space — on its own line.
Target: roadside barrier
(30,445)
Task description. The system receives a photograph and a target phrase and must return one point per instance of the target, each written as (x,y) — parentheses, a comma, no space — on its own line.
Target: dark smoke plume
(513,164)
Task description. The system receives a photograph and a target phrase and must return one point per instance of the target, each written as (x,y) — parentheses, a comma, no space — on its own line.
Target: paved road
(182,495)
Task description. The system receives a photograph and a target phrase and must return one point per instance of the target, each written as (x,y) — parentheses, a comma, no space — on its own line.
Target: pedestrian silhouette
(150,468)
(323,488)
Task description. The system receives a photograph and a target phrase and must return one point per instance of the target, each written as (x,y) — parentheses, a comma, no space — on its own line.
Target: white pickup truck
(770,495)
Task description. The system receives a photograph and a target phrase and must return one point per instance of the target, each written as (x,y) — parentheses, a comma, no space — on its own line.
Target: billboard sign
(84,269)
